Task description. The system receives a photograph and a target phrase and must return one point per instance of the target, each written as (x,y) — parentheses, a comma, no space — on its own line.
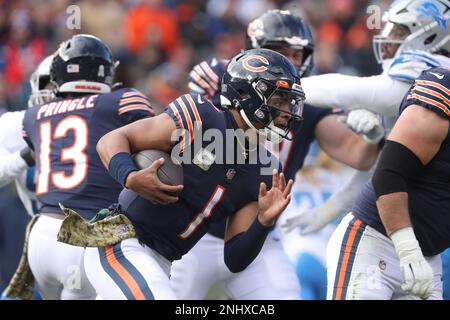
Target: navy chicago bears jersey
(428,193)
(213,189)
(205,78)
(292,153)
(64,134)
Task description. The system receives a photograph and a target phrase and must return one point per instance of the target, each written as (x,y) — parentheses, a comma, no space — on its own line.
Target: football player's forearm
(380,94)
(111,144)
(243,248)
(393,209)
(339,88)
(363,154)
(350,149)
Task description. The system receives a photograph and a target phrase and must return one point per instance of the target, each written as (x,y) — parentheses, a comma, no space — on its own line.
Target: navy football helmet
(281,29)
(258,83)
(82,64)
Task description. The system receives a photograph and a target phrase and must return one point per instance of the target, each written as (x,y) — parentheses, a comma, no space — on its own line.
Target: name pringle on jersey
(67,105)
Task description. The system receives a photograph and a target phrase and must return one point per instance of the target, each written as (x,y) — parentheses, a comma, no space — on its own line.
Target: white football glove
(312,220)
(365,123)
(338,204)
(416,271)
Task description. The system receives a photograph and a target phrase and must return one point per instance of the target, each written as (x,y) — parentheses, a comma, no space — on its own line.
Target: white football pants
(270,276)
(362,265)
(57,267)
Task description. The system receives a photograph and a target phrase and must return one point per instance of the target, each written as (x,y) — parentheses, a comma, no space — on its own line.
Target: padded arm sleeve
(243,248)
(381,94)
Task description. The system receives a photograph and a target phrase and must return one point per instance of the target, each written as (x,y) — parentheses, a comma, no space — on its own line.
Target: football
(170,172)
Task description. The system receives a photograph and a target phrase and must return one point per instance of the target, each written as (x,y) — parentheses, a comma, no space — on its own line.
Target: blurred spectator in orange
(149,23)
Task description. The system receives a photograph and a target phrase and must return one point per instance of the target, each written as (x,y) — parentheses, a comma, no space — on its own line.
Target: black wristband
(28,156)
(120,166)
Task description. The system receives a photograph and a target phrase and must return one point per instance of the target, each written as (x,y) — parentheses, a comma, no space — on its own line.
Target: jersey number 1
(206,212)
(75,153)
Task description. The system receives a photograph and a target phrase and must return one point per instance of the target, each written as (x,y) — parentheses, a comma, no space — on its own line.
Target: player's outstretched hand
(147,184)
(273,202)
(307,222)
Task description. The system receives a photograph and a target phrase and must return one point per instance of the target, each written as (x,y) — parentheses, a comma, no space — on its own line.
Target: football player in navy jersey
(288,34)
(265,96)
(64,134)
(388,246)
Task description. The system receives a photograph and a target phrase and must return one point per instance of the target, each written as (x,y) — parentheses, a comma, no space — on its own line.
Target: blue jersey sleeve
(133,105)
(192,114)
(205,78)
(27,126)
(409,65)
(432,91)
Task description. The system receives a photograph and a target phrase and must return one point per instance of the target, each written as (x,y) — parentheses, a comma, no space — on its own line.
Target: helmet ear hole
(430,39)
(244,95)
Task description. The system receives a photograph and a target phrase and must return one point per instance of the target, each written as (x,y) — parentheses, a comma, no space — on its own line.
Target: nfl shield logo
(204,159)
(73,68)
(230,174)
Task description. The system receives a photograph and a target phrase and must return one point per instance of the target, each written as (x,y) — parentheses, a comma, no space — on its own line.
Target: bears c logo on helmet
(249,67)
(255,28)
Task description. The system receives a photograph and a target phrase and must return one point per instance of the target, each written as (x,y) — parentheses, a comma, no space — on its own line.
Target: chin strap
(270,132)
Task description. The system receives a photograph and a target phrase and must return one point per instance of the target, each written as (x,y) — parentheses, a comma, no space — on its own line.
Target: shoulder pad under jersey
(409,65)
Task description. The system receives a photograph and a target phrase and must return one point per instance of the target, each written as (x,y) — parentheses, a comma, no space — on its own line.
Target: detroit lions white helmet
(426,21)
(38,80)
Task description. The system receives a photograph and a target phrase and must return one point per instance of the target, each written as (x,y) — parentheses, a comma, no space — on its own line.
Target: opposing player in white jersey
(415,38)
(16,159)
(320,177)
(204,265)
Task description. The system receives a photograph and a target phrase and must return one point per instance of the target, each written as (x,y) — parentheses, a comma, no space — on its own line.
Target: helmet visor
(387,43)
(280,101)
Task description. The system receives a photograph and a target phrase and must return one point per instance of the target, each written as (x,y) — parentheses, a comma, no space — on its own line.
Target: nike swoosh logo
(437,75)
(199,99)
